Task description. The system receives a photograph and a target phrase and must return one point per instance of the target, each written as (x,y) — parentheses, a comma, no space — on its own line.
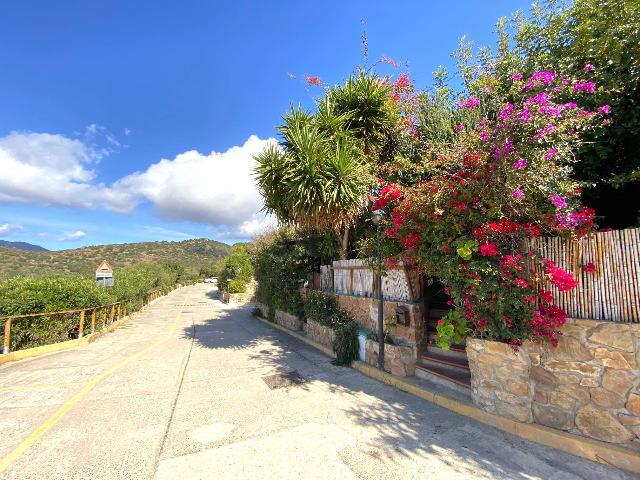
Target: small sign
(104,274)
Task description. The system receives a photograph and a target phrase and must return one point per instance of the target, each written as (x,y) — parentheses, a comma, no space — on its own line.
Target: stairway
(446,367)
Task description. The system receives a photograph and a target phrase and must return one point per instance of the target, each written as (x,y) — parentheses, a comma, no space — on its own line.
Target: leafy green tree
(236,270)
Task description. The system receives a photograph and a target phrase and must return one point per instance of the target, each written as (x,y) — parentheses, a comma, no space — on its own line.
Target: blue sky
(130,121)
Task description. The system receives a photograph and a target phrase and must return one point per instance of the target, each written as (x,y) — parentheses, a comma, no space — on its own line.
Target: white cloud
(50,169)
(71,236)
(9,228)
(216,189)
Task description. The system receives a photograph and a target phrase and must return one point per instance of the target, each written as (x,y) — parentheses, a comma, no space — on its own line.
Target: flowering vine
(506,180)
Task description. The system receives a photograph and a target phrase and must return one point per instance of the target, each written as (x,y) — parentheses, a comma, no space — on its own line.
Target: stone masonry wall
(398,359)
(365,312)
(320,333)
(288,320)
(589,385)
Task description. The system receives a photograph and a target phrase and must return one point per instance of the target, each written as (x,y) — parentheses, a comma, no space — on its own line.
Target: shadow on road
(402,425)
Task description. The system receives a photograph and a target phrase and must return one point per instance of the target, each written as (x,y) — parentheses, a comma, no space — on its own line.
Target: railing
(37,329)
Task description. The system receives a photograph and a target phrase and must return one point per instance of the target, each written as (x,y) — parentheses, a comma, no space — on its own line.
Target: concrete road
(181,392)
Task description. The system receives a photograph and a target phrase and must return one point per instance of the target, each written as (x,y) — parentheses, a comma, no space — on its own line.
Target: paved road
(179,392)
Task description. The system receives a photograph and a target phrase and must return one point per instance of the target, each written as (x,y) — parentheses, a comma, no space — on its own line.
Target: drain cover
(283,380)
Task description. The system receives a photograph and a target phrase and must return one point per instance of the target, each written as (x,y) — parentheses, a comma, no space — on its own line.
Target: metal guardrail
(79,320)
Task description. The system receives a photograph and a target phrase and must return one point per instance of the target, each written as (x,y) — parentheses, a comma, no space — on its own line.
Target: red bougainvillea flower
(562,279)
(589,267)
(521,283)
(488,249)
(411,241)
(317,81)
(546,296)
(402,82)
(388,193)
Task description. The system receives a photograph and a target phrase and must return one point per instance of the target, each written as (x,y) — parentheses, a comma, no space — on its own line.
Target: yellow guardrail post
(119,304)
(81,325)
(93,321)
(6,345)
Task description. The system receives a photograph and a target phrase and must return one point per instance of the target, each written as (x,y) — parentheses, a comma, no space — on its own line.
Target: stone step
(448,358)
(451,377)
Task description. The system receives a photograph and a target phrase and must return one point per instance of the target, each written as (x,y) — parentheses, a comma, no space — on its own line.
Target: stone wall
(288,320)
(239,298)
(398,359)
(320,333)
(589,385)
(365,312)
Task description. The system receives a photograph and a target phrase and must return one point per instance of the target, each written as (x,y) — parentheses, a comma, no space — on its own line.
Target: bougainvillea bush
(503,180)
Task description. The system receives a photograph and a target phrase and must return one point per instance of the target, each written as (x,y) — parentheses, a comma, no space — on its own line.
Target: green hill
(192,254)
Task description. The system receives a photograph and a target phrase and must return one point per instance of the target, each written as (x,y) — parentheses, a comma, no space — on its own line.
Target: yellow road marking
(39,386)
(38,433)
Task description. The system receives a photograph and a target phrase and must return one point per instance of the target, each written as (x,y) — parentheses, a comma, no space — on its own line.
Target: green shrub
(237,286)
(321,307)
(346,345)
(283,261)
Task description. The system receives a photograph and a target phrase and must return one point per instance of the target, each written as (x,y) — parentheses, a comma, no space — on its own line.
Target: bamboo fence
(612,291)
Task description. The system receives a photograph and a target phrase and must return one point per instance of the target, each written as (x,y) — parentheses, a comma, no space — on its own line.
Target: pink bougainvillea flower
(588,68)
(542,78)
(558,200)
(471,102)
(517,194)
(459,127)
(519,164)
(604,110)
(506,112)
(389,61)
(589,267)
(584,87)
(551,153)
(516,77)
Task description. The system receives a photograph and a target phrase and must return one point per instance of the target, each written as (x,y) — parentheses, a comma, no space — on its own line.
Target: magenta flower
(516,77)
(542,78)
(519,164)
(604,110)
(471,102)
(517,194)
(506,112)
(585,87)
(459,127)
(484,136)
(588,68)
(551,153)
(558,200)
(570,105)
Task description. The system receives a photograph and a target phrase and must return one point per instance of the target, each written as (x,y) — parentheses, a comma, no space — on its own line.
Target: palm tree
(320,175)
(316,179)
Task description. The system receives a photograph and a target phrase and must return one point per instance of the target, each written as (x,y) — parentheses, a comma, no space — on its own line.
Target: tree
(319,177)
(598,38)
